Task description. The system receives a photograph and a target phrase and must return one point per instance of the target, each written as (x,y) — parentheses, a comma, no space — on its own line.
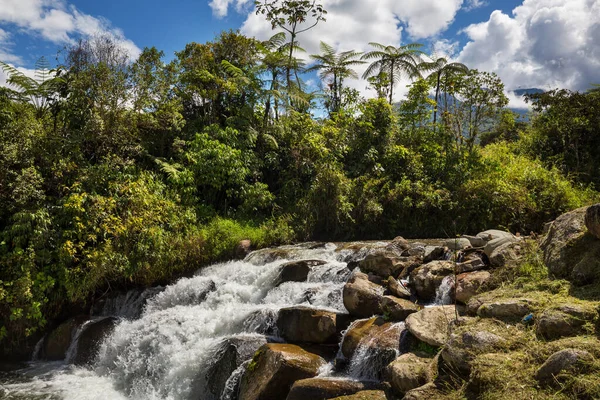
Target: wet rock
(433,253)
(457,244)
(506,255)
(356,332)
(396,309)
(592,220)
(571,252)
(469,284)
(409,371)
(304,324)
(430,325)
(509,310)
(242,249)
(563,322)
(327,388)
(361,297)
(365,395)
(427,278)
(231,353)
(397,289)
(461,349)
(262,321)
(563,361)
(296,271)
(58,341)
(91,337)
(274,369)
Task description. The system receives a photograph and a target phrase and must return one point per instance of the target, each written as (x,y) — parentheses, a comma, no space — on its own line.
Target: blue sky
(529,43)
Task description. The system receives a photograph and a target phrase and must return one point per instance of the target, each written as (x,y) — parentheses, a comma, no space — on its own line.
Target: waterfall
(443,294)
(370,358)
(128,305)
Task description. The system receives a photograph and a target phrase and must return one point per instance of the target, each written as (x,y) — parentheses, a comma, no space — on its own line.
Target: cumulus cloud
(544,43)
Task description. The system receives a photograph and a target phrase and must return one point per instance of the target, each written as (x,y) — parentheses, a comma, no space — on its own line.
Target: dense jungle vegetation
(118,172)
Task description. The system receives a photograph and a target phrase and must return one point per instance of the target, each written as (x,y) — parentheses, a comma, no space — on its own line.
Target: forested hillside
(118,172)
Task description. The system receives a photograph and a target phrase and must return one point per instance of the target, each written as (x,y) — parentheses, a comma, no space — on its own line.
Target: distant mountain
(523,92)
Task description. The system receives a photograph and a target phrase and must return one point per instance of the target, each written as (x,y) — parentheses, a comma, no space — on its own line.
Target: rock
(377,335)
(592,220)
(397,309)
(399,245)
(327,388)
(433,253)
(475,264)
(567,360)
(397,289)
(428,391)
(361,297)
(475,241)
(506,254)
(473,305)
(231,353)
(58,341)
(304,324)
(571,252)
(457,244)
(409,371)
(427,278)
(296,271)
(492,234)
(462,349)
(90,339)
(416,250)
(492,245)
(263,321)
(365,395)
(274,369)
(505,310)
(563,321)
(430,325)
(242,249)
(382,264)
(468,284)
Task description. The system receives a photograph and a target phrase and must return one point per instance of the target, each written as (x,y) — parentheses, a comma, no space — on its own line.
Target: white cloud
(473,4)
(544,43)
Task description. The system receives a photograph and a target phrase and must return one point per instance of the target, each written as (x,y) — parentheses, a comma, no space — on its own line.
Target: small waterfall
(72,350)
(443,294)
(128,305)
(370,358)
(35,356)
(232,386)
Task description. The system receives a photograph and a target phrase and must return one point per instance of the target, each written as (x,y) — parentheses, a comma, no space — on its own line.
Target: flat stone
(469,284)
(305,324)
(397,289)
(327,388)
(567,360)
(505,310)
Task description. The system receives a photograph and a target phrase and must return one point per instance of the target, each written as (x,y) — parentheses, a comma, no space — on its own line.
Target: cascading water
(443,294)
(167,352)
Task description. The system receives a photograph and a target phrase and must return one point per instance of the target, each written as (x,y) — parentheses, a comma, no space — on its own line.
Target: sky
(528,43)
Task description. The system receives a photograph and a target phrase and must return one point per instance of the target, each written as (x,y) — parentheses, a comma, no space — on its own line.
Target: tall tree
(439,68)
(337,67)
(291,16)
(395,61)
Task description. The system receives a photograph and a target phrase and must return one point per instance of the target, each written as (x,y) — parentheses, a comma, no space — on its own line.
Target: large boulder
(492,234)
(362,298)
(382,263)
(410,371)
(493,245)
(433,253)
(563,321)
(571,252)
(397,289)
(375,334)
(563,361)
(90,338)
(429,391)
(509,310)
(399,245)
(592,220)
(431,324)
(57,343)
(396,309)
(427,278)
(230,354)
(274,369)
(305,324)
(507,254)
(356,332)
(469,284)
(472,265)
(296,271)
(327,388)
(475,241)
(457,244)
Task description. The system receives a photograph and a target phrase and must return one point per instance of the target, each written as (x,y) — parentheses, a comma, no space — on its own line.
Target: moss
(255,359)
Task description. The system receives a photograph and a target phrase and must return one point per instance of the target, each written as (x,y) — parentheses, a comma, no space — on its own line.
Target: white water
(443,294)
(165,353)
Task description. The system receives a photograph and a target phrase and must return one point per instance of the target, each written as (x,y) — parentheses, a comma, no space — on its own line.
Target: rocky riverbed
(457,318)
